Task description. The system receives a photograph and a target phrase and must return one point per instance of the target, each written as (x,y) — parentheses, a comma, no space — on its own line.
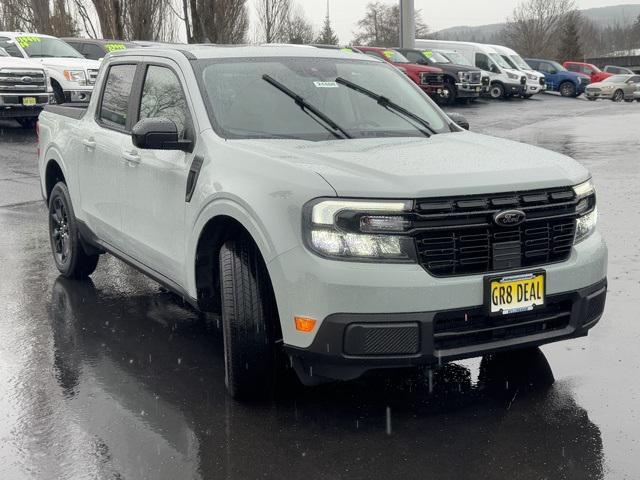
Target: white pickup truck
(319,201)
(72,76)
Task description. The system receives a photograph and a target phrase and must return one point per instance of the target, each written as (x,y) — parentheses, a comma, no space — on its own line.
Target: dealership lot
(116,379)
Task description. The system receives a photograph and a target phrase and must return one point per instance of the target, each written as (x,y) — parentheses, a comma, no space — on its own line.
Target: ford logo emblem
(509,218)
(27,79)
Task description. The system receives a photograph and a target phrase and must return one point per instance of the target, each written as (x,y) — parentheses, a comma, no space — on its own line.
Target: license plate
(515,293)
(478,89)
(28,101)
(439,90)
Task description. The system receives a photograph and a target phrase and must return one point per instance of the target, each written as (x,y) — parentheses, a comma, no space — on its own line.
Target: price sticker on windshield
(326,85)
(115,47)
(25,41)
(388,53)
(427,54)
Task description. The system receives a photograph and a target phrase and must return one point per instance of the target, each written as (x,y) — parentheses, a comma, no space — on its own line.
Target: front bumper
(79,95)
(432,89)
(600,94)
(348,345)
(469,90)
(12,105)
(533,88)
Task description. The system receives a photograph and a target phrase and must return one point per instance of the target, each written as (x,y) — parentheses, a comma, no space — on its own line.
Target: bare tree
(273,16)
(39,16)
(381,25)
(534,26)
(299,29)
(216,21)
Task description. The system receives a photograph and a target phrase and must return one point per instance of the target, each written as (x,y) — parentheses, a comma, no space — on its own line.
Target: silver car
(616,88)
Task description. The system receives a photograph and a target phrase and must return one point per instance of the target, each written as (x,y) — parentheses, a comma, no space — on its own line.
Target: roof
(208,51)
(22,34)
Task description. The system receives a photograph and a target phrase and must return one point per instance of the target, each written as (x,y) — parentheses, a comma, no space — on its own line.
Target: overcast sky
(437,14)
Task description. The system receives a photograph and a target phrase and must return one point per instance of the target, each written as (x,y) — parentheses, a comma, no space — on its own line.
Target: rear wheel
(568,89)
(618,96)
(68,252)
(253,360)
(496,91)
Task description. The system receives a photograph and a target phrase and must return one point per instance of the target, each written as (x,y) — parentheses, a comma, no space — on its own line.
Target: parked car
(460,81)
(536,82)
(615,70)
(337,220)
(24,89)
(505,81)
(429,79)
(588,69)
(559,79)
(346,48)
(96,49)
(616,88)
(72,76)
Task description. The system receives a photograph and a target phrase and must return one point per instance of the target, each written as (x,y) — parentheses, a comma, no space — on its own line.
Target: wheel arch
(54,172)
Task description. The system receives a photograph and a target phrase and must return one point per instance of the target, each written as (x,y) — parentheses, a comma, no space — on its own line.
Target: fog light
(304,324)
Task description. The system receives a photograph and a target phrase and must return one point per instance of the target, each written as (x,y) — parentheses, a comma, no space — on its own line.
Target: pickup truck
(461,82)
(333,215)
(559,79)
(594,73)
(24,89)
(429,79)
(72,76)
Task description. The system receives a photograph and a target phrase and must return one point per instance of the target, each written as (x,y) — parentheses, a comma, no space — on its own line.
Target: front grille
(476,77)
(523,80)
(93,74)
(431,79)
(464,328)
(382,339)
(593,90)
(18,81)
(543,81)
(458,236)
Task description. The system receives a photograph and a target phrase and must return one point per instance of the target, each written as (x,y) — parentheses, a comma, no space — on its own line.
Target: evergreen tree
(327,36)
(570,47)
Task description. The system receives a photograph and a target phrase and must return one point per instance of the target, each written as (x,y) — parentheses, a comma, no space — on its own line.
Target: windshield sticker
(388,53)
(114,47)
(24,42)
(427,54)
(346,50)
(326,84)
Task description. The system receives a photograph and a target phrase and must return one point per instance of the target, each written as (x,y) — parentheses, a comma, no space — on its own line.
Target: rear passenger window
(162,97)
(115,97)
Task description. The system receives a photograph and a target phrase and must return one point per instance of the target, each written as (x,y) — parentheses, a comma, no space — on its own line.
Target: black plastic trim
(192,178)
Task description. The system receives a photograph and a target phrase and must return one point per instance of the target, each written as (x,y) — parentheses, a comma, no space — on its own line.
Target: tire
(496,91)
(66,247)
(58,93)
(27,123)
(253,360)
(592,99)
(449,93)
(527,97)
(568,89)
(618,96)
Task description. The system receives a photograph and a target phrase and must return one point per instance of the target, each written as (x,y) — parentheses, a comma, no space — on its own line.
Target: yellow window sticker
(114,47)
(427,54)
(25,41)
(388,53)
(346,50)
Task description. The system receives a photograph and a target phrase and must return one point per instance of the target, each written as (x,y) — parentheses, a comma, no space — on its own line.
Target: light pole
(407,24)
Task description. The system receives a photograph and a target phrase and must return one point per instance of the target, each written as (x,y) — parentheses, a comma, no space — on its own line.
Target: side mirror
(553,72)
(459,120)
(158,134)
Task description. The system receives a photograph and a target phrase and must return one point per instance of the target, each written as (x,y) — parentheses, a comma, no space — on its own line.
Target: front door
(155,180)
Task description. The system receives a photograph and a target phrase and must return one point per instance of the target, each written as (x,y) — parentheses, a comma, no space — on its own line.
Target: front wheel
(449,94)
(496,91)
(250,323)
(68,252)
(568,89)
(618,96)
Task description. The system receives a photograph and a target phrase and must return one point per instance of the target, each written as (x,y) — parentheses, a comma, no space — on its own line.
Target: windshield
(519,62)
(509,61)
(395,57)
(498,60)
(557,66)
(243,105)
(45,47)
(3,53)
(457,58)
(436,57)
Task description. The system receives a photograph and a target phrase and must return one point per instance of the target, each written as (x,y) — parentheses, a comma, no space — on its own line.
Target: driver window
(163,97)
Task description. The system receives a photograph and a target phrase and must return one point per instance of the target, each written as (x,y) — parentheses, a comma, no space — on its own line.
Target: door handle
(131,157)
(89,143)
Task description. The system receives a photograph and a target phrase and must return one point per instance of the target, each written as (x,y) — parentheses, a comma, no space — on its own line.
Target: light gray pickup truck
(319,201)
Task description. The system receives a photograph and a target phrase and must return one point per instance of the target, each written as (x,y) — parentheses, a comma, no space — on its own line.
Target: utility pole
(407,24)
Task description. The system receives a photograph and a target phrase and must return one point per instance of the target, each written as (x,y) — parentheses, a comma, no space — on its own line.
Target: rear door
(155,180)
(101,165)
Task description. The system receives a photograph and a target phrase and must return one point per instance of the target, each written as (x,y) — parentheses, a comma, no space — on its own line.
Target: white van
(505,81)
(535,80)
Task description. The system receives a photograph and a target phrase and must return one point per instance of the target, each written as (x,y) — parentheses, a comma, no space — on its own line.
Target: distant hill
(623,15)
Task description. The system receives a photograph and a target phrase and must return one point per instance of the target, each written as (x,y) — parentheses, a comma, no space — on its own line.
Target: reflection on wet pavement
(116,379)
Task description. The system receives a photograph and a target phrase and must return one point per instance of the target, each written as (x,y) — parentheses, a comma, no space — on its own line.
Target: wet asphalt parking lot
(115,379)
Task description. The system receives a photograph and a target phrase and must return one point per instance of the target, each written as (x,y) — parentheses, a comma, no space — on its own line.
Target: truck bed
(71,110)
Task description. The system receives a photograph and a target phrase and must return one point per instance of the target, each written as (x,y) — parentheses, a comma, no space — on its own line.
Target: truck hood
(68,63)
(13,62)
(417,69)
(445,164)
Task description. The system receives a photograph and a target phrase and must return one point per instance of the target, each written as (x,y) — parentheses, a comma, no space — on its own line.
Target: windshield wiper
(331,126)
(383,101)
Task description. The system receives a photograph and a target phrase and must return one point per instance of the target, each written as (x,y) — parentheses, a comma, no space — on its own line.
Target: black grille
(431,79)
(463,328)
(523,80)
(382,339)
(486,81)
(543,81)
(93,74)
(458,236)
(19,81)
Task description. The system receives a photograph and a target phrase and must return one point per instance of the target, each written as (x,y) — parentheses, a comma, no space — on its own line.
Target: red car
(594,73)
(429,79)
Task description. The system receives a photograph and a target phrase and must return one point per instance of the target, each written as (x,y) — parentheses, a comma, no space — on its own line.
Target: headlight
(76,76)
(360,230)
(513,76)
(531,76)
(586,208)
